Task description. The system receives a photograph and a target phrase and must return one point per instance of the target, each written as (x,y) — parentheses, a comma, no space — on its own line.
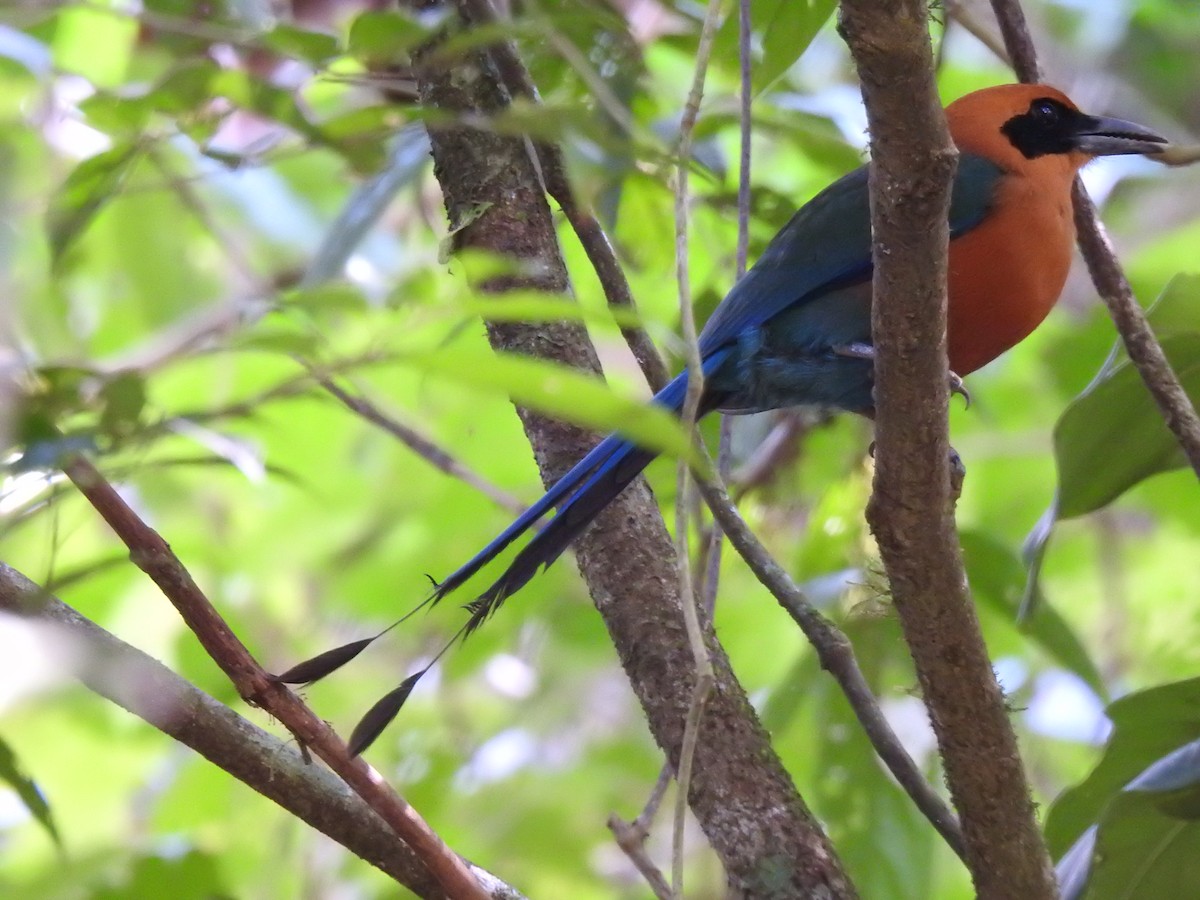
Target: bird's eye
(1045,111)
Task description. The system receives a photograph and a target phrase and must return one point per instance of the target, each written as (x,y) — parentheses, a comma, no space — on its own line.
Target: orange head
(1007,272)
(1034,127)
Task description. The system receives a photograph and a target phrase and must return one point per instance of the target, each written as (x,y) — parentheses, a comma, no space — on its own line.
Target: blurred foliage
(166,178)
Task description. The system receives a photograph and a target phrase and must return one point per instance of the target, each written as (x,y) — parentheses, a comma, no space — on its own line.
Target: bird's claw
(859,350)
(855,350)
(957,387)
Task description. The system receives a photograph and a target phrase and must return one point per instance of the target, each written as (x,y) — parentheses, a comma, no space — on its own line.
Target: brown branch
(1143,348)
(741,795)
(961,13)
(518,83)
(155,694)
(631,838)
(152,555)
(1022,55)
(911,508)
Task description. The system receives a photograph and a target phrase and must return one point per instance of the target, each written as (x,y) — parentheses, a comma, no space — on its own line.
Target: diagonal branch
(1143,348)
(152,555)
(435,455)
(152,692)
(836,655)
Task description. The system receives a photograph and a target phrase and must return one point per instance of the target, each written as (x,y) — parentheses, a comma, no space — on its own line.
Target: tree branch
(764,835)
(152,555)
(155,694)
(422,446)
(1143,348)
(911,508)
(518,83)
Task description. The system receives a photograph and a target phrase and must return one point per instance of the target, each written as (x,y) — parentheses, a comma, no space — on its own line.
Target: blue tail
(580,495)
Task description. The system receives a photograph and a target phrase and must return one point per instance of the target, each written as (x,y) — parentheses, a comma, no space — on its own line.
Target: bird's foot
(958,474)
(855,350)
(860,350)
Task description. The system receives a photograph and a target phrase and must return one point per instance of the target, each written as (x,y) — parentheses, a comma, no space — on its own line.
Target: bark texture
(744,800)
(911,511)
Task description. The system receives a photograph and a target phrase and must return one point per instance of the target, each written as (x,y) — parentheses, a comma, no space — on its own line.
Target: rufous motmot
(796,329)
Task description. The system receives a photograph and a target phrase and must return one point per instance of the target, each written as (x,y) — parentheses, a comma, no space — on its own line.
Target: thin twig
(962,14)
(1021,52)
(712,573)
(1143,348)
(631,838)
(600,91)
(781,445)
(691,405)
(150,553)
(436,456)
(234,250)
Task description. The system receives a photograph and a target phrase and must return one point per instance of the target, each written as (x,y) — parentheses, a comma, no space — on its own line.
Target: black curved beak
(1103,136)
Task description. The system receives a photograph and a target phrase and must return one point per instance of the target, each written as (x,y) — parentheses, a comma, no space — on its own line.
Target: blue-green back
(827,244)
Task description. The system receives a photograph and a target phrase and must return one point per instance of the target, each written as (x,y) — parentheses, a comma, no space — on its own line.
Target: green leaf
(997,577)
(94,43)
(374,122)
(116,113)
(786,33)
(280,339)
(1174,782)
(191,876)
(562,392)
(1112,436)
(299,43)
(786,28)
(1176,311)
(124,398)
(282,105)
(186,88)
(1143,855)
(535,307)
(333,296)
(378,37)
(27,790)
(1144,844)
(1147,725)
(265,99)
(92,183)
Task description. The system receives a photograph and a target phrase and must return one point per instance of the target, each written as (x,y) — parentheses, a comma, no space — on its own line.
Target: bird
(796,328)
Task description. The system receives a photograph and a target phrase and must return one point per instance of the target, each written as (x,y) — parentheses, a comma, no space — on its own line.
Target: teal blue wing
(827,245)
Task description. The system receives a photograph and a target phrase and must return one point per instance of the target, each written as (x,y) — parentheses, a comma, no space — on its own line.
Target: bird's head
(1019,124)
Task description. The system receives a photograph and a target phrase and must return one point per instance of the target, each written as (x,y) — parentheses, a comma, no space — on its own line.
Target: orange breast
(1007,273)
